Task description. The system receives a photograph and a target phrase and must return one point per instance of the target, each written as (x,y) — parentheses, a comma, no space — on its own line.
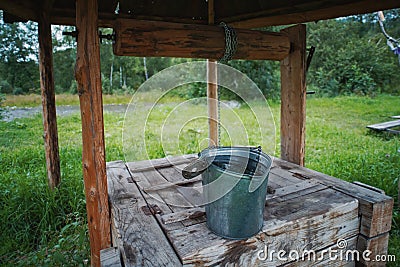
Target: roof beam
(299,15)
(26,10)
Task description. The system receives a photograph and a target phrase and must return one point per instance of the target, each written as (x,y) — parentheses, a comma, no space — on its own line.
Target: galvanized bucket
(234,187)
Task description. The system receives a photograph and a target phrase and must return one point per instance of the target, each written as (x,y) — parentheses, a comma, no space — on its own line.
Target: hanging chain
(230,43)
(230,50)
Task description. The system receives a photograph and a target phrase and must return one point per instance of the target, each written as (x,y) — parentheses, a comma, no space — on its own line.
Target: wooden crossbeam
(163,39)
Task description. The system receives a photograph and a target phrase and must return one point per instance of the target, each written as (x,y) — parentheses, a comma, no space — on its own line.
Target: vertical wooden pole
(88,77)
(293,97)
(212,89)
(48,100)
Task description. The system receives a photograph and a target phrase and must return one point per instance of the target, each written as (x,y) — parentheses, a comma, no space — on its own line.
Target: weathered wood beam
(320,11)
(164,39)
(212,89)
(293,97)
(48,100)
(88,77)
(26,10)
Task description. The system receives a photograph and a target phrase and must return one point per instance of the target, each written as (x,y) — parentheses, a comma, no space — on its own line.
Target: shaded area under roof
(239,13)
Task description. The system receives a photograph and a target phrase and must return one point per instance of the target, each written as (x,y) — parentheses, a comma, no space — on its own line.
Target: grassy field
(39,227)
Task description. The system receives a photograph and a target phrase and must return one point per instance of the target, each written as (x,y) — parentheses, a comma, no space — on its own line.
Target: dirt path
(12,113)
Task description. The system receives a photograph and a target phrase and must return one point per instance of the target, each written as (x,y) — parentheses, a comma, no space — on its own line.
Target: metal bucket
(234,187)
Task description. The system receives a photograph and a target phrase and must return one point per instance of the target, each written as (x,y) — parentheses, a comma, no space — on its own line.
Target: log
(293,97)
(47,87)
(164,39)
(88,77)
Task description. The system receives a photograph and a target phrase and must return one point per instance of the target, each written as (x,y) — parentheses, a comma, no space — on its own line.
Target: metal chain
(230,43)
(230,50)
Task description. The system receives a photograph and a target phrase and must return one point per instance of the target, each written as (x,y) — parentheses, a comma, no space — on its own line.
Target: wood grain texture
(47,87)
(153,39)
(293,97)
(375,208)
(307,222)
(145,165)
(110,257)
(289,13)
(140,238)
(88,77)
(376,245)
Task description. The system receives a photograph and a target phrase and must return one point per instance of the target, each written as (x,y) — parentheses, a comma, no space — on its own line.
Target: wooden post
(88,77)
(293,97)
(48,100)
(212,90)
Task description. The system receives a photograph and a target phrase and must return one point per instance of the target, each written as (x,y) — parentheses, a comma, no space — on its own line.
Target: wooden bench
(155,220)
(386,126)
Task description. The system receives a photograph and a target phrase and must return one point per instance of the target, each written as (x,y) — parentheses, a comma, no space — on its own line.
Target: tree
(18,56)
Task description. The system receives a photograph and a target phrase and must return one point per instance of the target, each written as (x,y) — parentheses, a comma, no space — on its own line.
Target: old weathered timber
(293,97)
(48,100)
(140,239)
(153,39)
(88,77)
(306,211)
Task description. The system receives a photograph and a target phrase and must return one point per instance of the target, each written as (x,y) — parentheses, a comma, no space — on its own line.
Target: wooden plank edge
(110,257)
(372,249)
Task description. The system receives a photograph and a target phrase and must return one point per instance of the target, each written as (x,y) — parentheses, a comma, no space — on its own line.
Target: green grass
(39,227)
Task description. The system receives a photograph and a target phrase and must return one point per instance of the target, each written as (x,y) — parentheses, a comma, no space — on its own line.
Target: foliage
(352,57)
(18,62)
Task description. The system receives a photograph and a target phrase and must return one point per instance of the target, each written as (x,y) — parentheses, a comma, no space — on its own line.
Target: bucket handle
(195,168)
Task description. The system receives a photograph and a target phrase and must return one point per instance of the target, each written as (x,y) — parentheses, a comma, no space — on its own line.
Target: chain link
(230,43)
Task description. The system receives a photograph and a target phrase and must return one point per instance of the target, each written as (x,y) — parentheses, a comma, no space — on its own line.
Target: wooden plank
(370,187)
(88,77)
(283,194)
(322,257)
(375,208)
(154,198)
(145,165)
(308,222)
(293,97)
(48,98)
(162,186)
(396,117)
(324,10)
(183,215)
(142,241)
(193,193)
(377,246)
(153,38)
(384,126)
(110,257)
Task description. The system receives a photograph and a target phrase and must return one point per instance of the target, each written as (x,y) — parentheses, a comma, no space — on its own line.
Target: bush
(5,87)
(18,91)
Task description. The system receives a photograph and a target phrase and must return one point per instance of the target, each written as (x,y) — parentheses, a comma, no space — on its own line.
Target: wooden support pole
(48,100)
(88,77)
(165,39)
(212,90)
(293,97)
